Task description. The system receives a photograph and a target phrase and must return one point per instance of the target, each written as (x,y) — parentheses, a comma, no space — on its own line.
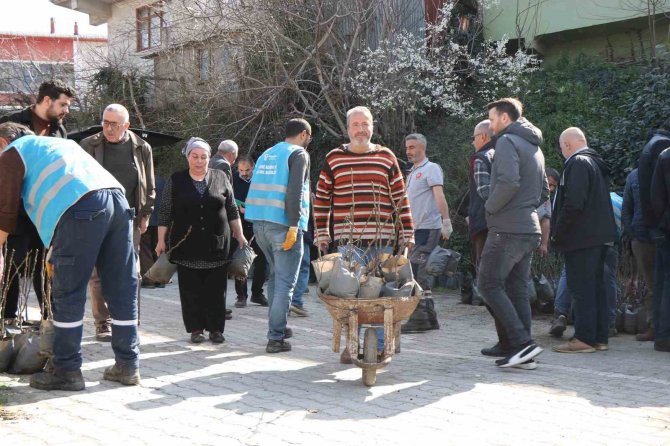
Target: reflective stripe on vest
(57,174)
(266,200)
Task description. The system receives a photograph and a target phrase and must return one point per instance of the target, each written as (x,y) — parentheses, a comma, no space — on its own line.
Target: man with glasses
(128,158)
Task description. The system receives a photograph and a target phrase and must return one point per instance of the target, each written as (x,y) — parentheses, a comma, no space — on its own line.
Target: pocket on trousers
(88,215)
(64,272)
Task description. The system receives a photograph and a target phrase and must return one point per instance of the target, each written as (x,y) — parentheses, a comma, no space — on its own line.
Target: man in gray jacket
(518,186)
(129,159)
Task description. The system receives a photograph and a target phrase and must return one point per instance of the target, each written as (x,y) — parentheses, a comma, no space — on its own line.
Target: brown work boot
(127,377)
(574,345)
(71,381)
(103,333)
(646,336)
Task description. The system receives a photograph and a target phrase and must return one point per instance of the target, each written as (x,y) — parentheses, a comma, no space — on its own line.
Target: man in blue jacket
(82,216)
(278,206)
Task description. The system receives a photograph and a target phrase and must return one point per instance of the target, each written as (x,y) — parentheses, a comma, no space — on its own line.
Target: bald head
(571,140)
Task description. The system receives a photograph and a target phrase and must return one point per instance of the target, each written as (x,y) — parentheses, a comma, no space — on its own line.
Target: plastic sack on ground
(442,261)
(323,268)
(28,359)
(6,353)
(371,287)
(397,269)
(343,283)
(162,270)
(241,260)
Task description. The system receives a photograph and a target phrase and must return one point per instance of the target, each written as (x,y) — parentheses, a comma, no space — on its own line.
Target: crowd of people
(101,218)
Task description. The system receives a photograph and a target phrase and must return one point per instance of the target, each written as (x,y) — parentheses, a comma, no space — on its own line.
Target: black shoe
(216,337)
(497,350)
(229,314)
(419,321)
(124,376)
(160,285)
(662,346)
(72,381)
(558,326)
(278,346)
(260,300)
(241,302)
(520,355)
(288,333)
(197,337)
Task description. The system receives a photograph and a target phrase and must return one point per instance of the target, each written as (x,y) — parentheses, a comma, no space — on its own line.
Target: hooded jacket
(518,182)
(583,215)
(648,157)
(660,193)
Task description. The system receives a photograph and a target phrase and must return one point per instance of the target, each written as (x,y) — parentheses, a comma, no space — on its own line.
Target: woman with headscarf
(198,208)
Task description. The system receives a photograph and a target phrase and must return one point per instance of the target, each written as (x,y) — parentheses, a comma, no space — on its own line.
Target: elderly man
(225,158)
(278,206)
(128,158)
(582,227)
(430,213)
(361,192)
(518,187)
(241,183)
(80,213)
(44,118)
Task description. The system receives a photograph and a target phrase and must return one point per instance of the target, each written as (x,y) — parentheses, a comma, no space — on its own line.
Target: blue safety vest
(57,174)
(267,194)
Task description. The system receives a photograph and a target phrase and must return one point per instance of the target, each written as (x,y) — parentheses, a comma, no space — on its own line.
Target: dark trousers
(504,272)
(260,268)
(662,291)
(148,242)
(478,241)
(584,271)
(203,298)
(18,248)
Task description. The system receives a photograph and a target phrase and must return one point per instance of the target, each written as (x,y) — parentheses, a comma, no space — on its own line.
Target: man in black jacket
(660,204)
(582,227)
(659,141)
(45,118)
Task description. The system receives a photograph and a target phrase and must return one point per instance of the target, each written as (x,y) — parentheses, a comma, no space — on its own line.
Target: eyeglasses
(111,125)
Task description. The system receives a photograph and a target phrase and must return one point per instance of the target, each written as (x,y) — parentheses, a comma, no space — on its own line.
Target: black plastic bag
(28,358)
(6,353)
(241,260)
(442,261)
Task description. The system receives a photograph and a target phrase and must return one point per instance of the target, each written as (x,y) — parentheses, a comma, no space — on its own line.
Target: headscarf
(196,143)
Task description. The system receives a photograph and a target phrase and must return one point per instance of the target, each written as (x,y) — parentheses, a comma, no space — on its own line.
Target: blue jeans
(563,302)
(585,269)
(95,231)
(504,272)
(303,278)
(284,269)
(662,291)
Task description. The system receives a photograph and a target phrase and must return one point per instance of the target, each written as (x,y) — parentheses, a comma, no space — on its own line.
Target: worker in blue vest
(278,206)
(82,216)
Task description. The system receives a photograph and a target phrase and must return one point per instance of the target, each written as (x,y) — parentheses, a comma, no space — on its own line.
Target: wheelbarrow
(352,312)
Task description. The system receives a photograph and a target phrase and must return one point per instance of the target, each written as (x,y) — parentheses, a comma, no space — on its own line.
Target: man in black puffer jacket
(660,203)
(582,227)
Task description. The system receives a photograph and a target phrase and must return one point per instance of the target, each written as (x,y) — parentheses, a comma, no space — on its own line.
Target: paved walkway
(439,390)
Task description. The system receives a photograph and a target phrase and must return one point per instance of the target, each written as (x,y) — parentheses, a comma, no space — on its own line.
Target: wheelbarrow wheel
(370,356)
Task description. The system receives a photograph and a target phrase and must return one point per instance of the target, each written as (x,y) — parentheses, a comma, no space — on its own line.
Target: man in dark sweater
(518,187)
(660,204)
(225,158)
(44,118)
(241,182)
(582,228)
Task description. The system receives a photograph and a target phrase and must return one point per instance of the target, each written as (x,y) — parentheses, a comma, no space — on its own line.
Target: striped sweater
(363,186)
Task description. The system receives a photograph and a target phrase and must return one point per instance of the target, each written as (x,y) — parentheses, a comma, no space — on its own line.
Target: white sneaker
(528,365)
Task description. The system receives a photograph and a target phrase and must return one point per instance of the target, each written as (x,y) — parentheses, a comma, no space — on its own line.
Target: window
(150,26)
(204,62)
